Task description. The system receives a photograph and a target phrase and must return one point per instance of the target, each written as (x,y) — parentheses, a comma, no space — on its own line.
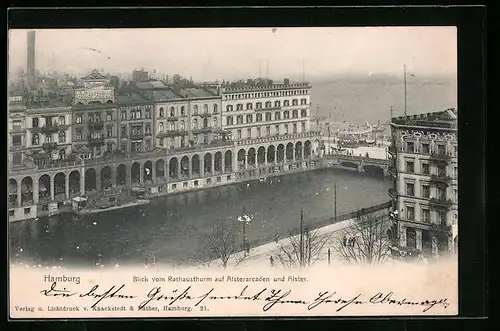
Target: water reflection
(170,228)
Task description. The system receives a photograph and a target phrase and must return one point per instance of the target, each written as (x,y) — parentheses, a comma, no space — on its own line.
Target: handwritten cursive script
(269,297)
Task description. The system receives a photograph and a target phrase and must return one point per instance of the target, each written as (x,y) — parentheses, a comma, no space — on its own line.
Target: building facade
(424,166)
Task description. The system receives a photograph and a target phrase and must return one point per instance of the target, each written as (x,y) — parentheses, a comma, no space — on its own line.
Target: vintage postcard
(232,172)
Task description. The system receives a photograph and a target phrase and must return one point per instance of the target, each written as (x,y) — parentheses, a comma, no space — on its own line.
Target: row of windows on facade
(172,111)
(425,169)
(268,104)
(267,131)
(170,142)
(425,215)
(258,117)
(61,138)
(425,148)
(425,192)
(182,124)
(265,94)
(60,120)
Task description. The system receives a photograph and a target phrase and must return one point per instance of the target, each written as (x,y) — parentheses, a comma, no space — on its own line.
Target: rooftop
(196,93)
(129,96)
(441,119)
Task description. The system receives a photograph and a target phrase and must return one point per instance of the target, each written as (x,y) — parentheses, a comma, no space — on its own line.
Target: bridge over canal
(357,163)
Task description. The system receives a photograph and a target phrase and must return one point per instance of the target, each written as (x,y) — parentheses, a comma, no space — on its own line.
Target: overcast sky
(209,54)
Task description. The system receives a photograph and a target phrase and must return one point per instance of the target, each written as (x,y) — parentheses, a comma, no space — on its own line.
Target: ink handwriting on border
(269,297)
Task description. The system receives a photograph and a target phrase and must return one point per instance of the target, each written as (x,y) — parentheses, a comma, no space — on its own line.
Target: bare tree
(366,240)
(302,249)
(221,242)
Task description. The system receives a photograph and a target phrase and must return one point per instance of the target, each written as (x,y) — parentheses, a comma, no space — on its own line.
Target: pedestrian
(344,241)
(277,237)
(271,260)
(353,241)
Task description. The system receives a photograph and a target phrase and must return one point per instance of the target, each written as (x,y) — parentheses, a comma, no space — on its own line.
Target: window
(171,126)
(441,170)
(249,106)
(161,142)
(35,140)
(410,189)
(98,117)
(172,110)
(148,129)
(123,146)
(183,110)
(174,187)
(79,135)
(426,191)
(455,195)
(268,116)
(196,183)
(183,141)
(11,212)
(441,149)
(286,128)
(195,124)
(123,131)
(27,211)
(16,140)
(277,129)
(98,151)
(62,137)
(239,134)
(228,177)
(148,145)
(277,104)
(78,119)
(218,179)
(239,106)
(215,122)
(48,139)
(410,213)
(205,122)
(123,115)
(258,105)
(161,127)
(249,133)
(455,172)
(183,125)
(229,120)
(286,114)
(410,167)
(303,126)
(185,184)
(441,217)
(269,104)
(455,150)
(258,132)
(195,110)
(425,168)
(239,119)
(277,116)
(426,216)
(295,102)
(286,103)
(303,113)
(216,109)
(35,122)
(259,118)
(410,147)
(268,131)
(249,118)
(62,120)
(109,147)
(425,149)
(162,112)
(441,193)
(209,180)
(229,108)
(148,113)
(303,102)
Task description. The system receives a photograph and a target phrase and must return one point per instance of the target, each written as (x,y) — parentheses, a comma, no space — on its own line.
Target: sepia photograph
(192,172)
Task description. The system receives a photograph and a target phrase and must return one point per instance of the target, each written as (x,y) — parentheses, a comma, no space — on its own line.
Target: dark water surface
(171,228)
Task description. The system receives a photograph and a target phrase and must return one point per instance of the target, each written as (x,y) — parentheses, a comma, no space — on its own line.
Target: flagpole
(405,89)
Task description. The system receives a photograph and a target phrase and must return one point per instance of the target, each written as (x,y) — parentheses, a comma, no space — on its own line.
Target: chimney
(286,81)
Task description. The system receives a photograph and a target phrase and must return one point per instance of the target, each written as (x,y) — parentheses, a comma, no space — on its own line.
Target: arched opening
(44,188)
(251,157)
(241,158)
(13,193)
(307,149)
(148,171)
(90,180)
(173,165)
(74,183)
(280,153)
(349,165)
(60,186)
(228,160)
(106,177)
(208,163)
(298,151)
(121,175)
(271,151)
(135,173)
(261,155)
(195,165)
(185,166)
(289,152)
(160,168)
(218,162)
(27,190)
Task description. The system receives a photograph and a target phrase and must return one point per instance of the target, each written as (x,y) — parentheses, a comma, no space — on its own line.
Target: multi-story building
(425,171)
(17,130)
(95,125)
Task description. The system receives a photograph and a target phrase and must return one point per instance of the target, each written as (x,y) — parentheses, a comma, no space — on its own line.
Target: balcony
(172,118)
(172,133)
(136,135)
(35,129)
(440,157)
(393,194)
(440,179)
(50,129)
(49,146)
(96,141)
(202,130)
(440,202)
(95,124)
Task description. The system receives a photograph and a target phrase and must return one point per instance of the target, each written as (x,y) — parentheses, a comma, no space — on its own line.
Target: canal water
(172,229)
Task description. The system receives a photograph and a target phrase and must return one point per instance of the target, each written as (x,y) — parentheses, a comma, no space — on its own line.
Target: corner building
(424,151)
